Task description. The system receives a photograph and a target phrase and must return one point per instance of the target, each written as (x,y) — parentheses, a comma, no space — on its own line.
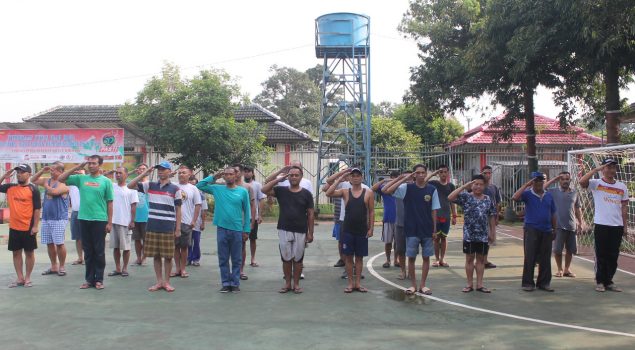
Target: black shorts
(254,232)
(22,240)
(481,248)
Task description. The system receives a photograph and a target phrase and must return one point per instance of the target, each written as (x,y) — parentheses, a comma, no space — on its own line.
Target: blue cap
(609,161)
(537,175)
(165,164)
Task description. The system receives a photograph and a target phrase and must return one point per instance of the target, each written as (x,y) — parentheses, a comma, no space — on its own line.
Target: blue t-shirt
(390,206)
(476,215)
(419,202)
(142,208)
(538,210)
(232,210)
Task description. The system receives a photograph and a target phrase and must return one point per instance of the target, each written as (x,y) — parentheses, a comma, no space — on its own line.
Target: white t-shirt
(204,207)
(304,183)
(256,187)
(608,199)
(344,186)
(73,191)
(121,204)
(191,197)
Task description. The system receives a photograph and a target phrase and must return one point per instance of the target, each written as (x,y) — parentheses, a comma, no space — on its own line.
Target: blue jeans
(229,246)
(194,252)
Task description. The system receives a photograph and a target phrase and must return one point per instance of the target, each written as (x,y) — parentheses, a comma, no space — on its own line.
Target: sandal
(185,275)
(444,264)
(425,291)
(99,286)
(298,290)
(168,288)
(348,290)
(284,290)
(28,284)
(569,274)
(435,264)
(124,274)
(85,285)
(243,277)
(15,284)
(174,274)
(483,290)
(78,262)
(467,289)
(155,287)
(410,291)
(61,273)
(361,289)
(49,272)
(114,273)
(254,264)
(600,288)
(386,265)
(558,274)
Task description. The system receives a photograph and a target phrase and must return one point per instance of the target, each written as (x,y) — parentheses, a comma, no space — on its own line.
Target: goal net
(581,162)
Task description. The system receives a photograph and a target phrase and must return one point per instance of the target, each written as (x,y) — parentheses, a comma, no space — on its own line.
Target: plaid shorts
(158,245)
(52,231)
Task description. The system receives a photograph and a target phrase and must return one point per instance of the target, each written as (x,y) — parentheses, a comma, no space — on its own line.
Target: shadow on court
(56,313)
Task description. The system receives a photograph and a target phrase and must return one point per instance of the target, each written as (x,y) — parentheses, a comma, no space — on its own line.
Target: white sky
(65,44)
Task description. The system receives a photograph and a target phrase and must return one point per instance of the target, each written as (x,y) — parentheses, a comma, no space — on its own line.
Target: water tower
(342,40)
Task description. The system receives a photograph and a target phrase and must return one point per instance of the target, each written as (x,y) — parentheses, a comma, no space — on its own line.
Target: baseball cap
(23,167)
(609,161)
(538,175)
(356,170)
(164,164)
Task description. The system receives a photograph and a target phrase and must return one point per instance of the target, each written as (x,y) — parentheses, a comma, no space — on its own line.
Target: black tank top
(356,217)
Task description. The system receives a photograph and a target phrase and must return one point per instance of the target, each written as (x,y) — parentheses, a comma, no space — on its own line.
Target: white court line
(575,256)
(369,266)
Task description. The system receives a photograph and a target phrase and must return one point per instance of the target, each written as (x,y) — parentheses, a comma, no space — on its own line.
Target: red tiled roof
(548,132)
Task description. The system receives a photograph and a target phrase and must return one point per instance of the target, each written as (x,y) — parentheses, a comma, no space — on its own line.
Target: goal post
(582,161)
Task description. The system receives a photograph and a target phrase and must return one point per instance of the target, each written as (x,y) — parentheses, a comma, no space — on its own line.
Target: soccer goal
(582,161)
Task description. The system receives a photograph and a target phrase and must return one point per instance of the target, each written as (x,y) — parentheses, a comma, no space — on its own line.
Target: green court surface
(55,313)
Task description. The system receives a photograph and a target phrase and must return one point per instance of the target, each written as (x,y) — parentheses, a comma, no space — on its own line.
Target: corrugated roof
(548,132)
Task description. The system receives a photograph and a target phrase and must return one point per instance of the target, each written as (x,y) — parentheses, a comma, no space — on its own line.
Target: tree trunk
(530,129)
(612,102)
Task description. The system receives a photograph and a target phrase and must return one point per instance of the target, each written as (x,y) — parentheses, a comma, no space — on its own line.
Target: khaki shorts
(120,237)
(291,245)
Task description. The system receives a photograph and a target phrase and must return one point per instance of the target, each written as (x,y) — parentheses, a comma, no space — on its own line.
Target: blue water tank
(342,33)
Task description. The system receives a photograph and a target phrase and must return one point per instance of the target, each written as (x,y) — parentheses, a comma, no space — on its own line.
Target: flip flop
(49,272)
(168,288)
(483,290)
(155,287)
(28,284)
(348,290)
(61,273)
(386,265)
(175,274)
(444,264)
(362,289)
(85,285)
(99,286)
(185,275)
(467,289)
(401,277)
(425,291)
(558,274)
(78,262)
(298,290)
(254,264)
(114,273)
(435,264)
(244,277)
(15,284)
(284,290)
(410,291)
(611,287)
(124,274)
(600,288)
(569,274)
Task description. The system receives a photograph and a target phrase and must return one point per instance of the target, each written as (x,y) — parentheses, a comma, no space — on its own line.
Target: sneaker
(225,289)
(489,265)
(339,263)
(528,288)
(546,288)
(301,276)
(235,289)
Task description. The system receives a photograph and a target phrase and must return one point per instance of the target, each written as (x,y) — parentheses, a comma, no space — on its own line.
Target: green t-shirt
(94,194)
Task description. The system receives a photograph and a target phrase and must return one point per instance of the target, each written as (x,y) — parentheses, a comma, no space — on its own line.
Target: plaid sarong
(159,245)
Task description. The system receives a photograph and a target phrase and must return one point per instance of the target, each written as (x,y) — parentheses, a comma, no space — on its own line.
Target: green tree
(294,96)
(195,119)
(390,135)
(432,128)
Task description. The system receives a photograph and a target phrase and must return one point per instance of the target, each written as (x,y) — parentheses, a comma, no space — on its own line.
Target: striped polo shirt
(162,203)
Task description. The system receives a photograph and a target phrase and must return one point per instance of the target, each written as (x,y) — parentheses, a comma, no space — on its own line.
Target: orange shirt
(22,200)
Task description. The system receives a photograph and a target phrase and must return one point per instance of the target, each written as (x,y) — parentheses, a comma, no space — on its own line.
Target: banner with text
(68,145)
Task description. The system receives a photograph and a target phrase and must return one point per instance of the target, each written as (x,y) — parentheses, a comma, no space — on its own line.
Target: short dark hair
(565,173)
(296,167)
(248,168)
(144,164)
(394,173)
(100,160)
(193,178)
(414,168)
(239,166)
(443,166)
(478,177)
(408,171)
(486,168)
